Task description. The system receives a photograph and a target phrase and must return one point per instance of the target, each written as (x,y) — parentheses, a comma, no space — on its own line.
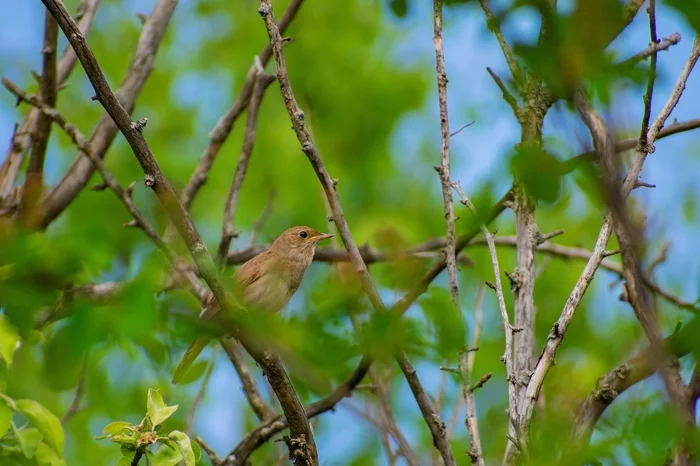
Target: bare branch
(200,393)
(651,51)
(215,460)
(270,364)
(261,434)
(34,181)
(507,96)
(9,171)
(436,425)
(77,397)
(222,129)
(102,137)
(262,81)
(494,26)
(250,388)
(444,168)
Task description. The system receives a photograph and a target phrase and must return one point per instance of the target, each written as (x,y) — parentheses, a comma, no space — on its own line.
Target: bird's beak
(324,236)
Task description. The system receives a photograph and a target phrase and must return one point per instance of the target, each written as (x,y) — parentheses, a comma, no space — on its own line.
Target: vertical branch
(9,171)
(34,181)
(102,137)
(262,80)
(466,366)
(444,169)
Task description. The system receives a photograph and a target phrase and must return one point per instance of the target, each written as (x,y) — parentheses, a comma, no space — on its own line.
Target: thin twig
(257,228)
(34,180)
(250,388)
(200,393)
(494,26)
(77,397)
(444,168)
(432,418)
(507,96)
(142,62)
(10,169)
(215,460)
(466,366)
(654,48)
(222,129)
(228,232)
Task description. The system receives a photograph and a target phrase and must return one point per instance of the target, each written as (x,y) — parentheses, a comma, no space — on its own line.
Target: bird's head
(299,241)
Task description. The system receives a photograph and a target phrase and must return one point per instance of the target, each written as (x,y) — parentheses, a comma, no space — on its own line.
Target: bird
(266,282)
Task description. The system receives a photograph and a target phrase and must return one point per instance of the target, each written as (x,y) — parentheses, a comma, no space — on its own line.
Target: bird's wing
(245,276)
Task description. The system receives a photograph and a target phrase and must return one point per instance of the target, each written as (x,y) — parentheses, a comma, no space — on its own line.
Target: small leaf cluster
(141,439)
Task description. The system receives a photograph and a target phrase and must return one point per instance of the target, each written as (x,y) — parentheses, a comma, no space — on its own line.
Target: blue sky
(478,153)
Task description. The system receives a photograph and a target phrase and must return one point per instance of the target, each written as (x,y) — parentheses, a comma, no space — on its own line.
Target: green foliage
(41,444)
(146,437)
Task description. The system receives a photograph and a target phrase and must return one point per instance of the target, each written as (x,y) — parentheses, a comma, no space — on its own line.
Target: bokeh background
(364,73)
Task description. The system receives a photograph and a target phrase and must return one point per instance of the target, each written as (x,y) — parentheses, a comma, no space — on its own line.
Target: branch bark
(102,137)
(9,171)
(154,178)
(34,181)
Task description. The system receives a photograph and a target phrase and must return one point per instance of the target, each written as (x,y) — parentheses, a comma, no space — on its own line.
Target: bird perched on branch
(266,282)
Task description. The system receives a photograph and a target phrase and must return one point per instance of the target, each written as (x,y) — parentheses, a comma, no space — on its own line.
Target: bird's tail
(189,357)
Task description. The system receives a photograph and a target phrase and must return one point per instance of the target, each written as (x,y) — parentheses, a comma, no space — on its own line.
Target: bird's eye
(303,234)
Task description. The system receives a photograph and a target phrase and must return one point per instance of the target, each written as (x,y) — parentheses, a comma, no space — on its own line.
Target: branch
(215,461)
(556,334)
(262,81)
(250,388)
(102,137)
(436,425)
(265,430)
(222,129)
(494,26)
(34,181)
(466,367)
(10,168)
(613,384)
(200,394)
(651,51)
(627,144)
(77,397)
(154,178)
(628,239)
(444,168)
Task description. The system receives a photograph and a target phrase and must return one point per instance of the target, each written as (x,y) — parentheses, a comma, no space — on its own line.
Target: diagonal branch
(9,171)
(102,137)
(224,126)
(556,334)
(250,388)
(432,418)
(494,26)
(34,181)
(262,80)
(271,365)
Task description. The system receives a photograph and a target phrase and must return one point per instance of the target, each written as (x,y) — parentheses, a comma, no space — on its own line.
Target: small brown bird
(267,282)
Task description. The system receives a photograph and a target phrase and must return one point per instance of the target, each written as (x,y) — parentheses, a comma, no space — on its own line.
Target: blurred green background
(363,71)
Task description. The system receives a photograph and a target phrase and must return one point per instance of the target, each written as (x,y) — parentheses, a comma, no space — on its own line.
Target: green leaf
(45,421)
(28,440)
(185,445)
(156,408)
(8,339)
(124,461)
(46,456)
(114,428)
(194,372)
(5,417)
(166,455)
(197,452)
